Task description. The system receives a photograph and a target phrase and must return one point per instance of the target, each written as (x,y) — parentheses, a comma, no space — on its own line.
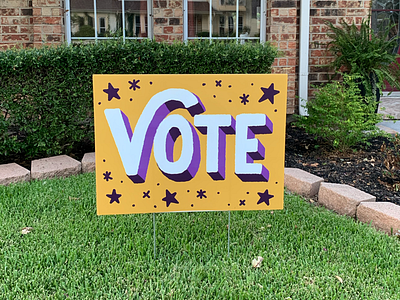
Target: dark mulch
(363,169)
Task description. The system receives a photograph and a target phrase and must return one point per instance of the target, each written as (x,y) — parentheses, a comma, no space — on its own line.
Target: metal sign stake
(154,233)
(229,230)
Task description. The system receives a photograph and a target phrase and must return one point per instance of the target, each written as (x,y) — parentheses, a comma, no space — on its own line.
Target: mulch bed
(363,169)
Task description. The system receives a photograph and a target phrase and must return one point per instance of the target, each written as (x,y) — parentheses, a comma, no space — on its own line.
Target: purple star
(107,176)
(264,197)
(112,92)
(269,93)
(218,83)
(244,99)
(134,84)
(170,198)
(114,196)
(201,194)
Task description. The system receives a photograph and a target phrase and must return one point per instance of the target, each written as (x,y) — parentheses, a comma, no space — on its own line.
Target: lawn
(309,252)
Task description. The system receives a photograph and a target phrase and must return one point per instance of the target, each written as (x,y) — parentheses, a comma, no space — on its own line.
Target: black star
(170,198)
(201,194)
(242,202)
(218,83)
(146,194)
(244,99)
(134,84)
(264,197)
(269,93)
(114,196)
(107,176)
(112,92)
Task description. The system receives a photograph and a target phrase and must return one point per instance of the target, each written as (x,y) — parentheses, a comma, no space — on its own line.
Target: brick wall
(47,22)
(38,22)
(332,11)
(168,20)
(283,32)
(15,23)
(30,23)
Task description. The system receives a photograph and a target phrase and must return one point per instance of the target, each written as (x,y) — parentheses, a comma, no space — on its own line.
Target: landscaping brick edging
(345,200)
(342,198)
(51,167)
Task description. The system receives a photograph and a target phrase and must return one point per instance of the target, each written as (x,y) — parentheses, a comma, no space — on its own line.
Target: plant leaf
(257,262)
(339,278)
(26,230)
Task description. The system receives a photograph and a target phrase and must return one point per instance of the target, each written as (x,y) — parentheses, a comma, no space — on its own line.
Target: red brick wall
(283,32)
(168,20)
(332,11)
(16,23)
(47,22)
(30,23)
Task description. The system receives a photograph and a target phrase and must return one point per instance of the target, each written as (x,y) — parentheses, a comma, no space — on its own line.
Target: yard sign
(168,143)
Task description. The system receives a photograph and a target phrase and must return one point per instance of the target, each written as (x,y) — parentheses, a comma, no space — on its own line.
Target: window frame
(68,32)
(237,38)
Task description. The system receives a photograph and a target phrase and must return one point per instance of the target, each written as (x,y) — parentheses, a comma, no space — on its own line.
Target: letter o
(186,167)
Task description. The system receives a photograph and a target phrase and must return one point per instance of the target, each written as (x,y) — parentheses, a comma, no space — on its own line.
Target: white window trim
(263,24)
(68,33)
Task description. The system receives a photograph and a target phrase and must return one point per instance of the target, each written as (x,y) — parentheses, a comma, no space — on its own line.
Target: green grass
(75,254)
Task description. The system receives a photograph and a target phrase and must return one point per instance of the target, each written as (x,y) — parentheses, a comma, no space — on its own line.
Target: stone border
(346,200)
(50,167)
(342,198)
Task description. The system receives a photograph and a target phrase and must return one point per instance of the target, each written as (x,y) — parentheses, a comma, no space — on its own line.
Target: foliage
(46,94)
(340,115)
(360,50)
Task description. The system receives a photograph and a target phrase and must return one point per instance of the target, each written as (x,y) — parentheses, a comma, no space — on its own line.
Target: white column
(67,22)
(304,55)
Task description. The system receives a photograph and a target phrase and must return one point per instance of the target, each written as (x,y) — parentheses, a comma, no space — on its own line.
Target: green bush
(340,115)
(46,94)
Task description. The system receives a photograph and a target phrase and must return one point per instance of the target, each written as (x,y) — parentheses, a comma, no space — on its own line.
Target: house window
(93,19)
(102,26)
(386,13)
(221,25)
(241,20)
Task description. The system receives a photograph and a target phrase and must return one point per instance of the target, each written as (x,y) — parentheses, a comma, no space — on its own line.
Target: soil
(363,168)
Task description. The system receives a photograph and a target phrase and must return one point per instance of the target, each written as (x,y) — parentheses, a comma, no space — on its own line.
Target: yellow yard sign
(168,143)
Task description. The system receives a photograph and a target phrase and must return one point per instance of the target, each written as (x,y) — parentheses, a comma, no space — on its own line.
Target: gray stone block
(383,215)
(302,182)
(11,173)
(89,162)
(342,198)
(56,166)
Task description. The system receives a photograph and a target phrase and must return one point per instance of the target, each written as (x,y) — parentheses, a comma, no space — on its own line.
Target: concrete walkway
(390,106)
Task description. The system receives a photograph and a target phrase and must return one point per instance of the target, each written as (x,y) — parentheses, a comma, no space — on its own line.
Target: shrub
(340,115)
(46,94)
